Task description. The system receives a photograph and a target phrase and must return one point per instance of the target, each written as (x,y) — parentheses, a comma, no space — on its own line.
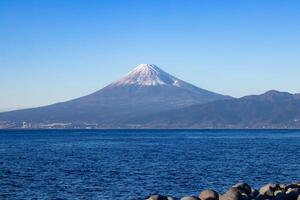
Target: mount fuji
(144,91)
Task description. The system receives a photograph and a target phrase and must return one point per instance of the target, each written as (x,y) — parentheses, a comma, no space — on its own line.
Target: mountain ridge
(272,109)
(145,90)
(148,97)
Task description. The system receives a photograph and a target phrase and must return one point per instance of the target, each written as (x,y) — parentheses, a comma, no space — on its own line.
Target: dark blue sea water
(132,164)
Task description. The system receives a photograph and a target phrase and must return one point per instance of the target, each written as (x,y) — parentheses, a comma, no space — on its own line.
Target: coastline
(243,191)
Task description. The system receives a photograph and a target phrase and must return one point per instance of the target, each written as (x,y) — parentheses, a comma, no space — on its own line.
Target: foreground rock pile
(243,191)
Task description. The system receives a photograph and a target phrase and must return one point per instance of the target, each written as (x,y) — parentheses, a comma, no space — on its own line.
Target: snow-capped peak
(146,67)
(148,75)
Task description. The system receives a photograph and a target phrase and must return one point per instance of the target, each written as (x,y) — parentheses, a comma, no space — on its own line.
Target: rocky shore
(243,191)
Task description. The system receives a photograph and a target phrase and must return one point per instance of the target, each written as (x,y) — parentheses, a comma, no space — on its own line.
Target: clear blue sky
(56,50)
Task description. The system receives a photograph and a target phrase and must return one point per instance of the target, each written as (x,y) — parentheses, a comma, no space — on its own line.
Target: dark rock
(157,197)
(254,193)
(246,197)
(292,193)
(279,195)
(209,195)
(293,185)
(297,183)
(232,194)
(260,197)
(243,188)
(283,187)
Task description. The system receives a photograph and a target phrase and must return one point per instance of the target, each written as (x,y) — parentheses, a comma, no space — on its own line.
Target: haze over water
(75,164)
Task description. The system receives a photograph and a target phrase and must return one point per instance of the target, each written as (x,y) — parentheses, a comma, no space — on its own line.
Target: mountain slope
(145,90)
(272,109)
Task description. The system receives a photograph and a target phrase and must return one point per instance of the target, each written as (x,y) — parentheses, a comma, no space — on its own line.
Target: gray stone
(244,188)
(295,189)
(283,187)
(268,190)
(232,194)
(209,195)
(189,198)
(157,197)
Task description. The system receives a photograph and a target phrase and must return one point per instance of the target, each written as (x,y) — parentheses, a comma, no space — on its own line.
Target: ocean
(132,164)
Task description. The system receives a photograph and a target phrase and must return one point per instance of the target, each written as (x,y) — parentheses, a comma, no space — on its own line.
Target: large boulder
(268,190)
(293,185)
(254,193)
(209,195)
(246,197)
(292,194)
(157,197)
(297,183)
(243,188)
(232,194)
(279,195)
(260,197)
(283,187)
(189,198)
